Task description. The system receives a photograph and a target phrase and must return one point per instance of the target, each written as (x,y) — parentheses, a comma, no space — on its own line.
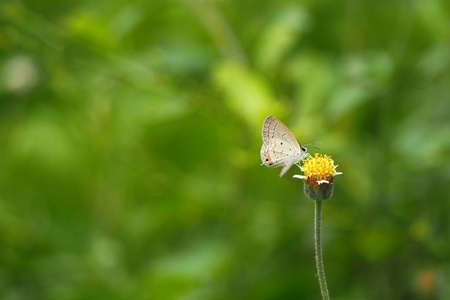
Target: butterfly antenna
(313,145)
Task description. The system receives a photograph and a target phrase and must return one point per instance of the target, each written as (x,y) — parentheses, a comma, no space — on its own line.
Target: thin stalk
(319,257)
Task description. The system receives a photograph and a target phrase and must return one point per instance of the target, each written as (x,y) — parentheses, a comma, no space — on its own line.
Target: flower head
(319,172)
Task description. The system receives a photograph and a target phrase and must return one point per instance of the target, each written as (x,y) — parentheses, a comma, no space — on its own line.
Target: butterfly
(280,147)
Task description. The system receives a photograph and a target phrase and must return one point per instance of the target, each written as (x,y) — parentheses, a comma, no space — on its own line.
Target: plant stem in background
(319,258)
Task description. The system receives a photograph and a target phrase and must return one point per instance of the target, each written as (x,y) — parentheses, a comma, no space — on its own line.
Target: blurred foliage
(130,135)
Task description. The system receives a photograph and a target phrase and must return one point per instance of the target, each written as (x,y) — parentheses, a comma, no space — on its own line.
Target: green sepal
(319,192)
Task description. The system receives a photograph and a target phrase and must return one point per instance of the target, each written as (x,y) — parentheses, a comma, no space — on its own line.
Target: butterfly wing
(280,147)
(281,153)
(274,128)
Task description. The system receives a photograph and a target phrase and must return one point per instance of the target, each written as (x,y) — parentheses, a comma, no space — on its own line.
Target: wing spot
(281,143)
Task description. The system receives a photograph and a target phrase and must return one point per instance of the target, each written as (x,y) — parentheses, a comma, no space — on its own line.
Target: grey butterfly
(280,147)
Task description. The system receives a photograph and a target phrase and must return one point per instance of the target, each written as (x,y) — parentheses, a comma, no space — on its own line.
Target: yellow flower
(319,172)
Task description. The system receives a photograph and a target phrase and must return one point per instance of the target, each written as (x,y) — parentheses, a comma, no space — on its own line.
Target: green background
(130,134)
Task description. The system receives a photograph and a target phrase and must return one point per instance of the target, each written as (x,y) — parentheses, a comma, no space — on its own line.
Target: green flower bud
(319,192)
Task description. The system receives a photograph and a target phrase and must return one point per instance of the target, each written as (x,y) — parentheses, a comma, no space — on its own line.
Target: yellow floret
(320,167)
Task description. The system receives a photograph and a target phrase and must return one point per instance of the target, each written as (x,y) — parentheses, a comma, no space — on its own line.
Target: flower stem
(319,258)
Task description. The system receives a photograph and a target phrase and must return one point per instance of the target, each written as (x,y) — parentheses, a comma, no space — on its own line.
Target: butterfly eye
(303,148)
